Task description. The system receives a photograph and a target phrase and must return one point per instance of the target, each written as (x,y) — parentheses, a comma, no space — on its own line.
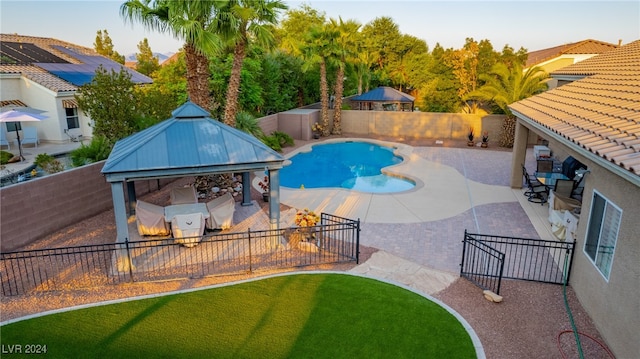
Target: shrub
(98,150)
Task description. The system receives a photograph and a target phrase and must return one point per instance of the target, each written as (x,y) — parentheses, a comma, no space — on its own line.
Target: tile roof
(575,48)
(26,61)
(600,111)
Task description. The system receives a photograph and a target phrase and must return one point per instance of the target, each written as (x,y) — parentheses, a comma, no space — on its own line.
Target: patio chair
(536,192)
(3,139)
(150,220)
(30,136)
(188,228)
(544,166)
(184,195)
(221,212)
(564,187)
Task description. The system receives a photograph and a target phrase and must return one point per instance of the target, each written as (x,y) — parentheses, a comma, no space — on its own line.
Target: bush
(5,157)
(98,150)
(48,163)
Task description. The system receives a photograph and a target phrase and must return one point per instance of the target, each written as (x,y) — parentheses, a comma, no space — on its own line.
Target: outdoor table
(549,178)
(172,210)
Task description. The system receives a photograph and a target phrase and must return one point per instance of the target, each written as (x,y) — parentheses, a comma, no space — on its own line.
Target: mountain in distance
(161,56)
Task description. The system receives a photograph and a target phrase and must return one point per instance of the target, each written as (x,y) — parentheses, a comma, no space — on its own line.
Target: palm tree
(241,20)
(345,47)
(318,49)
(506,85)
(189,21)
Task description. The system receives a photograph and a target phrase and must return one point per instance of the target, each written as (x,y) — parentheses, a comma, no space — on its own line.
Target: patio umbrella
(21,115)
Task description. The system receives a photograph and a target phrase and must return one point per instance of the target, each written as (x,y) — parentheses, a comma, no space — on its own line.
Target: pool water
(352,165)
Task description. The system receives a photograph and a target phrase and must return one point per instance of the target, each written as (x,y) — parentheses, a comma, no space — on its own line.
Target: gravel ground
(527,324)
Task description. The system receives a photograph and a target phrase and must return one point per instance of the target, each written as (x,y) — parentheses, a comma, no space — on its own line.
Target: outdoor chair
(536,192)
(544,166)
(188,228)
(184,195)
(150,220)
(221,211)
(3,139)
(564,187)
(30,136)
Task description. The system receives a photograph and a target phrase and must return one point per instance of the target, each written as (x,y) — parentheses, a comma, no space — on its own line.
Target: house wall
(33,209)
(614,305)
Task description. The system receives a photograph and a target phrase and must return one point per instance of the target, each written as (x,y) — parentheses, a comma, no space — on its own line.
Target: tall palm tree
(318,49)
(344,51)
(189,21)
(240,21)
(506,85)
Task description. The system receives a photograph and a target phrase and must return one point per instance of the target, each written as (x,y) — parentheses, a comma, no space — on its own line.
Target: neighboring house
(594,116)
(557,57)
(44,74)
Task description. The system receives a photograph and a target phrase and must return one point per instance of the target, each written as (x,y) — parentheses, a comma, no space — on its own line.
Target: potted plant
(264,186)
(317,129)
(485,139)
(470,136)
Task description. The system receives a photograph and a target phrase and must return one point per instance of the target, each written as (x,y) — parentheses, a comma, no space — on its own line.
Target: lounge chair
(30,136)
(184,195)
(3,138)
(150,220)
(188,228)
(221,212)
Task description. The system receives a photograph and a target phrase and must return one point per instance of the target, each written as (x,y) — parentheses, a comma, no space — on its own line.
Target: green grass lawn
(296,316)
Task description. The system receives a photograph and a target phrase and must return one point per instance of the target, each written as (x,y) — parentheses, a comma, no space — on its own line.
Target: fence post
(250,255)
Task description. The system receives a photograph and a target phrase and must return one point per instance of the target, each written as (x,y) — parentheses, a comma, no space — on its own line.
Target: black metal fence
(334,240)
(487,259)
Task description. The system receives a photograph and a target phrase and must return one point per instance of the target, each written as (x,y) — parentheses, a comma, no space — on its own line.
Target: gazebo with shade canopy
(190,143)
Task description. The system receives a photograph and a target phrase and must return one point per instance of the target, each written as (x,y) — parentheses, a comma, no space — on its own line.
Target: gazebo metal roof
(189,143)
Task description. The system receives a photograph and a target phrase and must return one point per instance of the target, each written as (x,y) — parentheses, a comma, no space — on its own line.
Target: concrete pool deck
(419,232)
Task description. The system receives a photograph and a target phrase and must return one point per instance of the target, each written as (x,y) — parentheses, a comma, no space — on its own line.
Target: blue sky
(531,24)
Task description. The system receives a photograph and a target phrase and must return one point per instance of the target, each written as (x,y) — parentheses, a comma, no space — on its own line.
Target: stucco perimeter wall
(33,209)
(419,124)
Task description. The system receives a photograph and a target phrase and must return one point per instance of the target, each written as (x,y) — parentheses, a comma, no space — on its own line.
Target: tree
(190,21)
(110,101)
(241,20)
(147,62)
(506,85)
(104,46)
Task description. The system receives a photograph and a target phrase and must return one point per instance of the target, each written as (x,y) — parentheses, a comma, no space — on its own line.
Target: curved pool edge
(477,344)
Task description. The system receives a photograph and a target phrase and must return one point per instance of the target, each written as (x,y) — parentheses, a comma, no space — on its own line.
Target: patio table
(549,178)
(174,209)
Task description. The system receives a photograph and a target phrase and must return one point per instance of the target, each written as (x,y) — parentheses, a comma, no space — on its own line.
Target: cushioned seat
(150,220)
(188,228)
(221,212)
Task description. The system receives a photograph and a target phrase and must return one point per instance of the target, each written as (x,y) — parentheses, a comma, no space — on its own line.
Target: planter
(265,196)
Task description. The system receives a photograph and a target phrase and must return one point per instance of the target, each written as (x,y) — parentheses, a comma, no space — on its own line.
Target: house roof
(600,111)
(384,94)
(57,65)
(189,143)
(574,48)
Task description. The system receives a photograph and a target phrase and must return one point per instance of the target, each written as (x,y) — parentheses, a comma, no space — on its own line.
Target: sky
(532,24)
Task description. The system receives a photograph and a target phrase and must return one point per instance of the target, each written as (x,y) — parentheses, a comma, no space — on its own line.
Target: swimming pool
(352,165)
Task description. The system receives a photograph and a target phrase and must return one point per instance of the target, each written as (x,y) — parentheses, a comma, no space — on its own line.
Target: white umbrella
(22,115)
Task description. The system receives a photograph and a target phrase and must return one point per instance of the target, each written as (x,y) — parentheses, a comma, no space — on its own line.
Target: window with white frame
(72,118)
(602,233)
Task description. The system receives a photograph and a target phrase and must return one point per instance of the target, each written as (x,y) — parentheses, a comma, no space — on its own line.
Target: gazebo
(190,143)
(383,98)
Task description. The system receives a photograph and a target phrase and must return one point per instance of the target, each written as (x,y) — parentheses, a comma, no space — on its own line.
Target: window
(72,118)
(602,233)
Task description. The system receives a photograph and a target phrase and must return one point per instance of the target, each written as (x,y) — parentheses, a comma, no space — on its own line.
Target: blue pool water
(352,165)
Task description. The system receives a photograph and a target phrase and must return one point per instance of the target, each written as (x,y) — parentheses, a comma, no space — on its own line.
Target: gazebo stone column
(519,154)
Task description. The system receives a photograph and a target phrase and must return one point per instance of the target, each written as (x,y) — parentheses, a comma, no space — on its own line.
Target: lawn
(294,316)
